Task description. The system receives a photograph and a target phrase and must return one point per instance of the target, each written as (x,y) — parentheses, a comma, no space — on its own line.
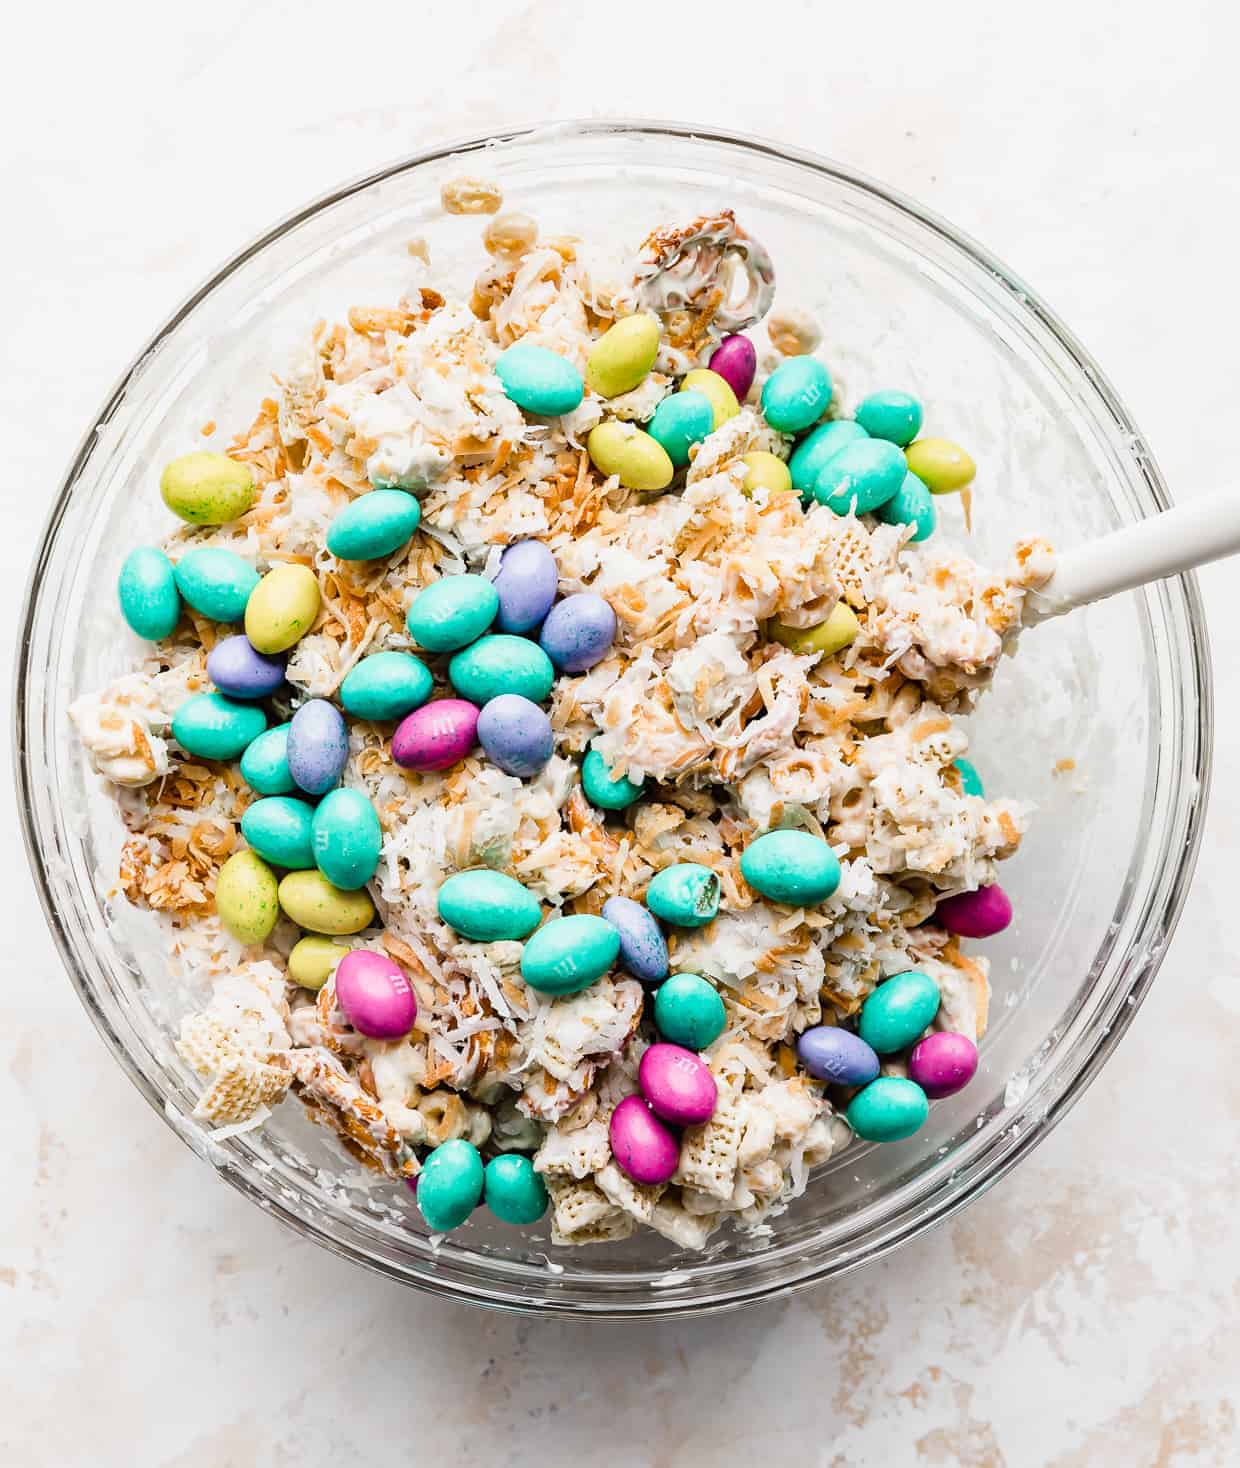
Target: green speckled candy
(207,489)
(794,867)
(216,582)
(512,1190)
(452,612)
(264,763)
(245,897)
(942,466)
(214,727)
(816,448)
(278,828)
(386,685)
(688,1011)
(912,504)
(623,355)
(373,525)
(282,607)
(685,895)
(601,789)
(147,591)
(862,476)
(313,960)
(347,838)
(567,954)
(502,663)
(970,780)
(897,1012)
(888,1110)
(319,906)
(796,394)
(488,906)
(450,1185)
(637,460)
(680,421)
(895,416)
(539,380)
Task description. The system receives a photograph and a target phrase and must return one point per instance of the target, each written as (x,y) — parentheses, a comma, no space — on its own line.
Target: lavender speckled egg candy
(679,1086)
(943,1063)
(735,359)
(526,585)
(375,995)
(643,948)
(436,736)
(578,632)
(836,1055)
(318,746)
(643,1147)
(979,914)
(237,668)
(516,735)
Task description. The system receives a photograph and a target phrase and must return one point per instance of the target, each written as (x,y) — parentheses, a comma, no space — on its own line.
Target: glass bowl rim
(1140,967)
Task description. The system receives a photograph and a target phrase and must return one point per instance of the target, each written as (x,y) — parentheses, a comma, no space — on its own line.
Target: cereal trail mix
(546,750)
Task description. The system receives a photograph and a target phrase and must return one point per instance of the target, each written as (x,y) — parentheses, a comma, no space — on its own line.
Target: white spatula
(1188,535)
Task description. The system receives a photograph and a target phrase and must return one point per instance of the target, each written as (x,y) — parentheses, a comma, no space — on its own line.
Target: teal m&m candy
(795,867)
(148,594)
(688,1011)
(513,1191)
(680,421)
(862,476)
(970,780)
(888,1110)
(685,895)
(264,763)
(604,790)
(450,1185)
(567,954)
(895,416)
(539,380)
(278,828)
(452,612)
(816,448)
(897,1012)
(912,504)
(796,394)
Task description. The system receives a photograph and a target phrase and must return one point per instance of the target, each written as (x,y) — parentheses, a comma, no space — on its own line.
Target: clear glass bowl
(1123,689)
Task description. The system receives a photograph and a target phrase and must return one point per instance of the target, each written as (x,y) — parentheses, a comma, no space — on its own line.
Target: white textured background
(1081,1314)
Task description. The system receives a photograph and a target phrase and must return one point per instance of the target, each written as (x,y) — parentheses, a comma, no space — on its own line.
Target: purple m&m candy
(237,668)
(527,583)
(436,736)
(833,1054)
(318,746)
(735,359)
(979,914)
(643,948)
(375,995)
(578,632)
(677,1084)
(643,1147)
(516,735)
(943,1063)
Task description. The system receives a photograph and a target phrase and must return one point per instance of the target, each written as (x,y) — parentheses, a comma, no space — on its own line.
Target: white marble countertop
(1083,1313)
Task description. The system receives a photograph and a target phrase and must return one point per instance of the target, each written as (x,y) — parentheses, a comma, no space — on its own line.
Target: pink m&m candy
(942,1064)
(437,735)
(643,1147)
(735,360)
(376,997)
(979,914)
(677,1084)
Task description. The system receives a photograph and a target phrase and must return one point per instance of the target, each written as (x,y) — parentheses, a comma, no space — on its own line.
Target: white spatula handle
(1205,529)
